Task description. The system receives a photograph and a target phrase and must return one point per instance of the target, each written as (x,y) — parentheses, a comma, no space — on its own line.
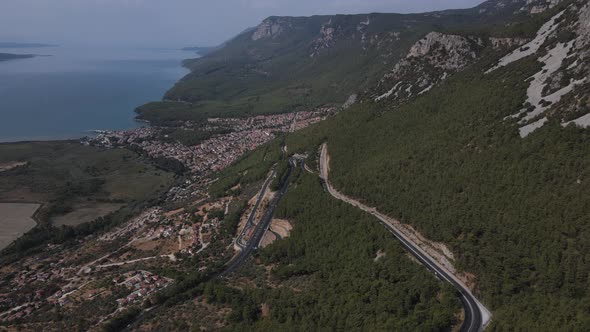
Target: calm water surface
(79,89)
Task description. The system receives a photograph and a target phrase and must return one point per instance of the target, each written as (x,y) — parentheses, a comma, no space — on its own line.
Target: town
(114,267)
(220,151)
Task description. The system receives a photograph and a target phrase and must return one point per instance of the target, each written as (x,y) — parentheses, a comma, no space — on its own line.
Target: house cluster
(21,312)
(110,139)
(32,283)
(25,278)
(150,216)
(193,235)
(217,152)
(307,118)
(142,284)
(41,276)
(61,297)
(278,122)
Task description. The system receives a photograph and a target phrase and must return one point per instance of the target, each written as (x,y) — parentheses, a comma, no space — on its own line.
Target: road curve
(261,227)
(476,315)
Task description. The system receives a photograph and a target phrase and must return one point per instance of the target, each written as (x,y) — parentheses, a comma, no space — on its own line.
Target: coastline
(69,138)
(66,117)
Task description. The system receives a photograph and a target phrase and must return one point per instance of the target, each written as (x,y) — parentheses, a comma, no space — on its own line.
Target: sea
(69,91)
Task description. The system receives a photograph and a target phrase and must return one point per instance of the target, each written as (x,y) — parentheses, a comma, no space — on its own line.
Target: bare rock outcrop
(272,27)
(539,6)
(444,51)
(326,39)
(559,89)
(349,28)
(429,61)
(583,30)
(518,6)
(499,43)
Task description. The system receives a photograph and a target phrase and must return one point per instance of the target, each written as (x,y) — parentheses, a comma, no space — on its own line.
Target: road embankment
(477,316)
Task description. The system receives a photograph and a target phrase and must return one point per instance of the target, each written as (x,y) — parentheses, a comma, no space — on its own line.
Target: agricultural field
(76,183)
(85,213)
(15,220)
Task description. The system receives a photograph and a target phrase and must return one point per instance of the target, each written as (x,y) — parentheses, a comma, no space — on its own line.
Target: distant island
(9,56)
(24,45)
(202,50)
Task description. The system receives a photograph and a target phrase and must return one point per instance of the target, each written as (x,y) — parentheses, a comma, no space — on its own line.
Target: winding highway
(262,225)
(240,240)
(476,315)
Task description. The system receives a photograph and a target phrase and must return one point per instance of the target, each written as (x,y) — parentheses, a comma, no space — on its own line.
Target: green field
(72,179)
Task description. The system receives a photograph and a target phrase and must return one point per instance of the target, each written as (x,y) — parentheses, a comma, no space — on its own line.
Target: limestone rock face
(539,6)
(507,42)
(326,39)
(559,89)
(583,30)
(518,6)
(429,61)
(272,27)
(443,51)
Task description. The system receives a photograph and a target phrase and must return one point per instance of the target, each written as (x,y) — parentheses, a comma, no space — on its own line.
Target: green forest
(514,211)
(338,270)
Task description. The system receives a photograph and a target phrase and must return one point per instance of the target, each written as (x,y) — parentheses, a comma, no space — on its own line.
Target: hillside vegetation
(451,162)
(338,270)
(468,125)
(67,177)
(297,63)
(514,211)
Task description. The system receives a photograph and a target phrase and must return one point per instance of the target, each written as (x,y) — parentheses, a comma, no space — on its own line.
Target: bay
(78,89)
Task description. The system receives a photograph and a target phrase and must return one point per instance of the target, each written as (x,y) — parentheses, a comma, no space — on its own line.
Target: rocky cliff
(429,61)
(366,54)
(272,28)
(560,88)
(517,6)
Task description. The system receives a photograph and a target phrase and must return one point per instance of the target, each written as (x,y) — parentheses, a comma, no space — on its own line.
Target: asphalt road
(239,259)
(473,316)
(261,227)
(473,321)
(250,220)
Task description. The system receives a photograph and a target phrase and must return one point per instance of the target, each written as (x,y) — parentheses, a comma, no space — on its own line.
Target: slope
(452,163)
(295,63)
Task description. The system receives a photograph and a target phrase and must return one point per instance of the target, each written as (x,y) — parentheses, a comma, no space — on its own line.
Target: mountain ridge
(294,63)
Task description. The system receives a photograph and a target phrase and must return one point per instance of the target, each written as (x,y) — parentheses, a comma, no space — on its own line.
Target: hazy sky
(172,22)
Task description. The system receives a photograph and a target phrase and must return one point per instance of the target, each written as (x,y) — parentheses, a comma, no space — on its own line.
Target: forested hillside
(453,163)
(338,270)
(294,63)
(514,211)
